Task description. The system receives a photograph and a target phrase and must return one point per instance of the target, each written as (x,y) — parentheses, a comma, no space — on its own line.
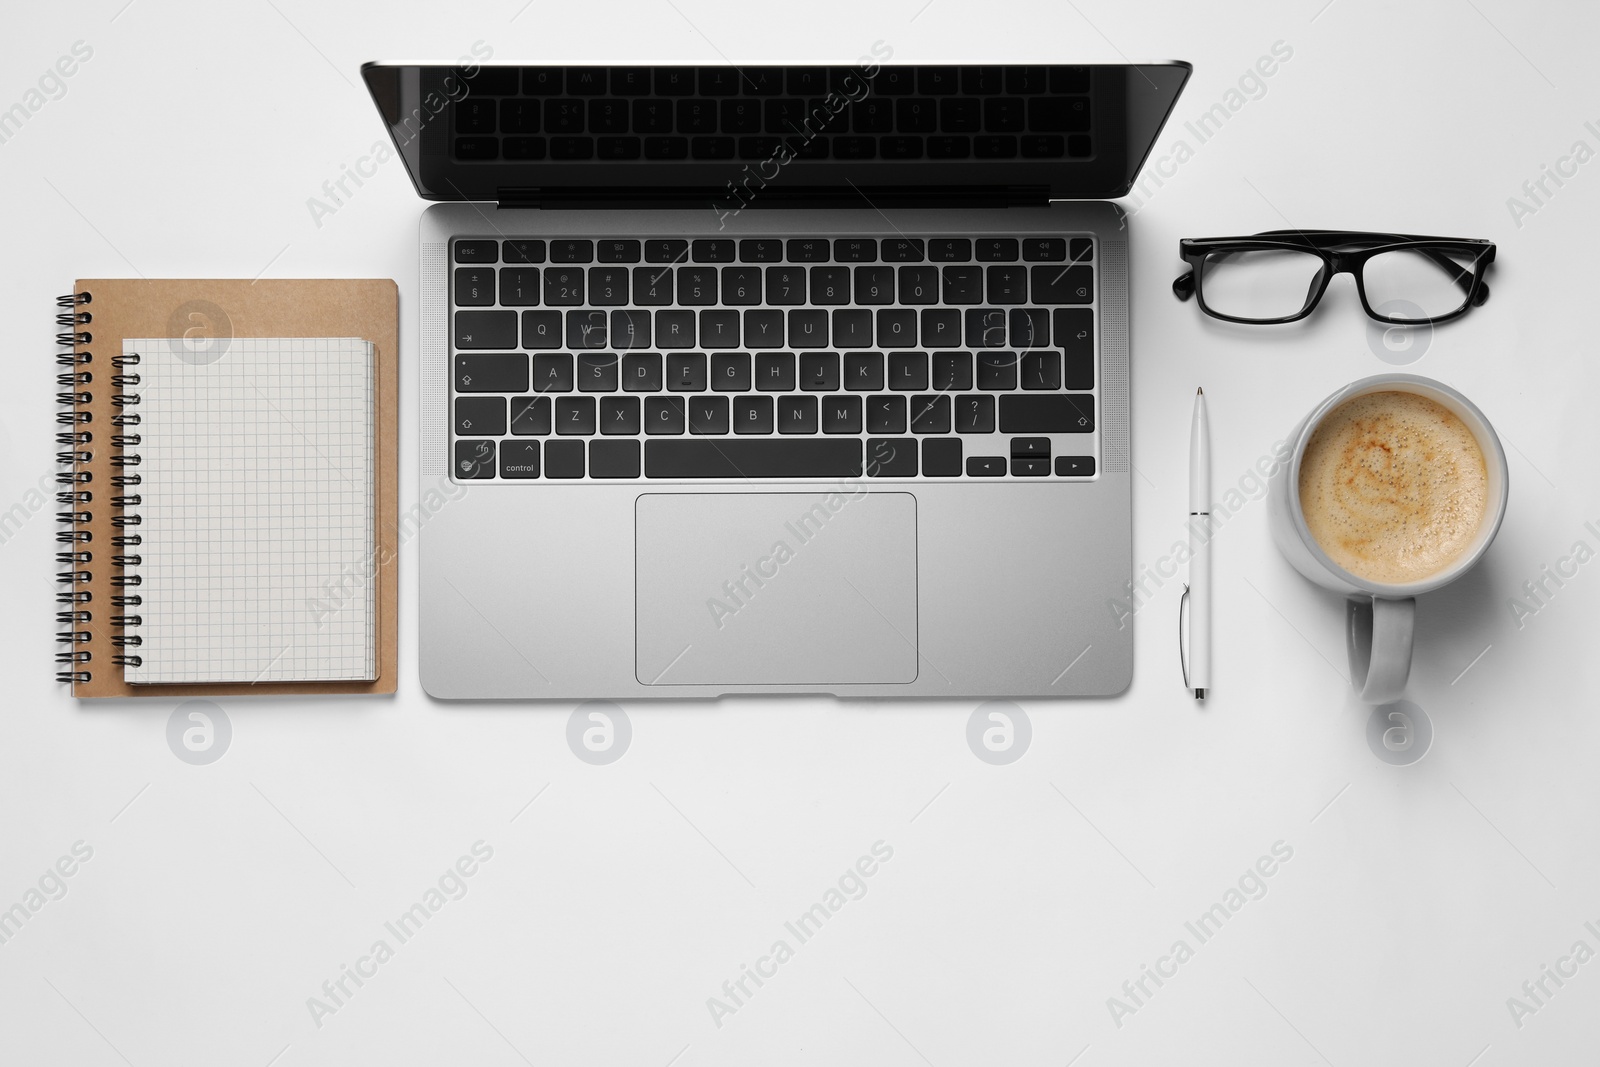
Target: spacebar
(733,457)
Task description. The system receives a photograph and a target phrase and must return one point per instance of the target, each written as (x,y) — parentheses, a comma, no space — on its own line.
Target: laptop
(774,380)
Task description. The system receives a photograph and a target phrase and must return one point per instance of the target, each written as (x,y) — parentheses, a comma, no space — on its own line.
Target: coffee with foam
(1394,487)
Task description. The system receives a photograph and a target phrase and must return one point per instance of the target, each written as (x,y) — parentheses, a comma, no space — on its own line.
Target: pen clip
(1183,646)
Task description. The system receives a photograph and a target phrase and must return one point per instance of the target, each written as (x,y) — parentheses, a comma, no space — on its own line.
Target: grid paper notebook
(256,502)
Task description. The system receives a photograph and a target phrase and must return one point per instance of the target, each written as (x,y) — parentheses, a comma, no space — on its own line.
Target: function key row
(772,81)
(774,250)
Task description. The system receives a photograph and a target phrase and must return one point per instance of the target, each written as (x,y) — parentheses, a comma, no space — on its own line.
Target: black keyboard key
(1075,338)
(586,81)
(572,148)
(1004,115)
(908,371)
(997,249)
(1043,146)
(1074,466)
(654,117)
(901,147)
(855,147)
(986,328)
(708,415)
(630,81)
(686,372)
(530,415)
(477,251)
(697,286)
(830,285)
(902,250)
(808,249)
(641,373)
(524,148)
(619,415)
(797,414)
(519,286)
(519,459)
(608,116)
(775,372)
(1044,249)
(852,328)
(952,371)
(730,372)
(1030,448)
(525,251)
(1058,114)
(986,466)
(997,370)
(974,413)
(674,81)
(941,457)
(995,146)
(763,81)
(819,371)
(483,416)
(740,116)
(917,114)
(618,251)
(675,329)
(608,286)
(959,116)
(1041,370)
(786,285)
(872,115)
(1046,413)
(486,329)
(597,372)
(542,81)
(710,250)
(760,250)
(808,328)
(563,286)
(630,329)
(586,329)
(572,251)
(500,373)
(941,327)
(873,285)
(982,80)
(891,457)
(950,249)
(863,371)
(719,329)
(665,251)
(841,414)
(475,286)
(475,459)
(697,117)
(1008,285)
(752,414)
(1030,328)
(819,457)
(1081,250)
(575,416)
(963,285)
(1063,285)
(918,285)
(663,415)
(1030,468)
(930,414)
(652,286)
(855,250)
(563,459)
(897,327)
(763,328)
(541,329)
(552,373)
(741,285)
(886,414)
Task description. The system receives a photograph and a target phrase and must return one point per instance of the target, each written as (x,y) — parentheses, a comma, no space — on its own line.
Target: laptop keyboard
(771,358)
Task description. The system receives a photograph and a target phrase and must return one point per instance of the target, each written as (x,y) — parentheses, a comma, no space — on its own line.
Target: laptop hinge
(721,201)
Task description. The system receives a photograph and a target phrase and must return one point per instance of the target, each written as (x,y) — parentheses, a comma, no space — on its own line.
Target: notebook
(233,479)
(256,511)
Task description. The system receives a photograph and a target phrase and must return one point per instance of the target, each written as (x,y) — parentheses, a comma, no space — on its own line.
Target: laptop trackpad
(775,588)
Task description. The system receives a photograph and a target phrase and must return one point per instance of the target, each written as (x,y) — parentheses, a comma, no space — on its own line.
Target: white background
(1019,898)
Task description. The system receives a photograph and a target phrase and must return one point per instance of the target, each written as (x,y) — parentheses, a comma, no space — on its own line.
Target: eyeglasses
(1279,275)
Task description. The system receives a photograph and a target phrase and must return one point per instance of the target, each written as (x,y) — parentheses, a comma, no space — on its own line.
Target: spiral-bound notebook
(241,437)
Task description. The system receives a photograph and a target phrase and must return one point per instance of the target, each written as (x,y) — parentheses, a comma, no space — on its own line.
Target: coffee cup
(1397,508)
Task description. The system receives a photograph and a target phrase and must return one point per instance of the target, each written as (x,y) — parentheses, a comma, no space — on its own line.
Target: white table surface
(1019,898)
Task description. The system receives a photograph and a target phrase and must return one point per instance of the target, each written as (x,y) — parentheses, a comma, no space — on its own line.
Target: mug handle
(1378,636)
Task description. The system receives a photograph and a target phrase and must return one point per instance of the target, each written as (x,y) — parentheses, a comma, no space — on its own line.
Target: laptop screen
(746,135)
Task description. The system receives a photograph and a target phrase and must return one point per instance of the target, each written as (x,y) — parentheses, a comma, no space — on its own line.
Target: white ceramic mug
(1381,617)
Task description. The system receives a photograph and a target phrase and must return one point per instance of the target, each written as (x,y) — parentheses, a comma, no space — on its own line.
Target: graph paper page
(256,502)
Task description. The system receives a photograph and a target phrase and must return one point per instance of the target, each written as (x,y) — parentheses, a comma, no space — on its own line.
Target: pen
(1199,592)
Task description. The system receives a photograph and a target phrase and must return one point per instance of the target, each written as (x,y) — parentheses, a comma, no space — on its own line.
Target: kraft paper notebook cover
(268,422)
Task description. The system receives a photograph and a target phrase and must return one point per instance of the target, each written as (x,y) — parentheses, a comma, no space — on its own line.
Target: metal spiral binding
(75,453)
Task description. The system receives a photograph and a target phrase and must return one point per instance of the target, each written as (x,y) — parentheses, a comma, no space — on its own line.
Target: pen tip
(1199,391)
